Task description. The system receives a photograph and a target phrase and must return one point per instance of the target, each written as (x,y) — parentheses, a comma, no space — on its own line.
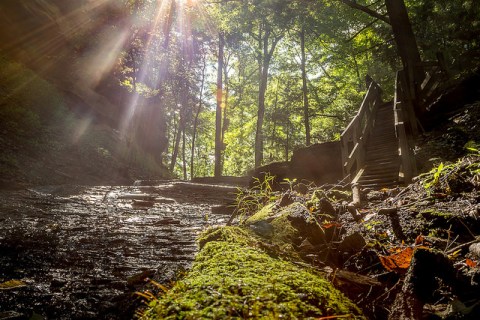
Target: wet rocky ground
(81,252)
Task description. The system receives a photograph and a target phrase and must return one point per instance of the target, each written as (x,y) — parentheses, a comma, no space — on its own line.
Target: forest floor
(410,252)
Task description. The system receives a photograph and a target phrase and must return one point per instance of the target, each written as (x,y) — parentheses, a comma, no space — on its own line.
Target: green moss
(432,213)
(230,234)
(263,214)
(284,233)
(239,274)
(233,280)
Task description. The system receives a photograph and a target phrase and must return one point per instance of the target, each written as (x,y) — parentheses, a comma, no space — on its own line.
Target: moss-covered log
(233,278)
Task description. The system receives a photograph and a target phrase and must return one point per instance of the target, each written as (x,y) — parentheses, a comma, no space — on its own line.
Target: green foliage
(248,201)
(458,177)
(472,147)
(290,182)
(434,178)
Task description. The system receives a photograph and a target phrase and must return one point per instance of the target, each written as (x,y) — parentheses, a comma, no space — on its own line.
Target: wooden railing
(357,133)
(436,74)
(409,103)
(405,128)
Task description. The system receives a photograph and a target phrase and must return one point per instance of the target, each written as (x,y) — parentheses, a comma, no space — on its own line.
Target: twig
(402,192)
(387,293)
(461,246)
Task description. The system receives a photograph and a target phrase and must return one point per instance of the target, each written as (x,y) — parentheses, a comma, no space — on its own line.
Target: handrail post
(407,157)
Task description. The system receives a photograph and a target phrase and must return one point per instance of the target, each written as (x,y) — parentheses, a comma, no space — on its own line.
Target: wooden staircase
(370,144)
(378,144)
(382,163)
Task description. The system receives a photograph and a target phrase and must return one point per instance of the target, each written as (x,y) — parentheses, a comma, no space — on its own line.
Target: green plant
(432,181)
(249,201)
(472,147)
(290,182)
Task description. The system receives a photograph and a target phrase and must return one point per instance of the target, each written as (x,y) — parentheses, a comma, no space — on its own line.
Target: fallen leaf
(331,224)
(398,262)
(12,284)
(471,263)
(419,240)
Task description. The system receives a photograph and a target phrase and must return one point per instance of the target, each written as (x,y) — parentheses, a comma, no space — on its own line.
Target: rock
(352,243)
(375,196)
(142,204)
(475,249)
(262,228)
(286,200)
(11,315)
(301,188)
(325,207)
(302,220)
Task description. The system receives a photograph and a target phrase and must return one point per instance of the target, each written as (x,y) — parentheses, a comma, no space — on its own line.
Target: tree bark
(306,117)
(178,135)
(405,39)
(184,155)
(225,120)
(195,121)
(218,112)
(264,61)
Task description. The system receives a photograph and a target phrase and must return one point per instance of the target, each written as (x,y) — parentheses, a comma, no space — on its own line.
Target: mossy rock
(231,280)
(230,234)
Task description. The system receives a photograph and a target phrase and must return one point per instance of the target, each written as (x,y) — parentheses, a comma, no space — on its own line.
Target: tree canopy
(240,83)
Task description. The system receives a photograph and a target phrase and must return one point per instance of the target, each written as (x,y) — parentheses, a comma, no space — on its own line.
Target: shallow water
(76,247)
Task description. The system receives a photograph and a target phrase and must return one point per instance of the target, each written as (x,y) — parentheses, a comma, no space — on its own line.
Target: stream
(83,251)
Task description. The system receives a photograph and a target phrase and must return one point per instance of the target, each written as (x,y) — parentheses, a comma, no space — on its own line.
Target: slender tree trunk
(288,141)
(274,127)
(306,116)
(258,139)
(264,61)
(178,135)
(218,113)
(225,105)
(184,155)
(260,116)
(195,121)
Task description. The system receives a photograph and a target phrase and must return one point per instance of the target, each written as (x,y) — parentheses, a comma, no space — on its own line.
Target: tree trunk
(264,61)
(218,113)
(178,135)
(226,121)
(195,121)
(184,155)
(406,42)
(306,117)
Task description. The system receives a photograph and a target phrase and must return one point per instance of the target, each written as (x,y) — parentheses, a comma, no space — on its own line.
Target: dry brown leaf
(398,262)
(331,224)
(471,263)
(419,240)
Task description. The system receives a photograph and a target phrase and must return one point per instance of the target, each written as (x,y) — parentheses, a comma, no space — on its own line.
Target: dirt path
(82,251)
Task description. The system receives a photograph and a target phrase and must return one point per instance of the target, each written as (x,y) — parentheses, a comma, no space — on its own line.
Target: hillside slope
(45,139)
